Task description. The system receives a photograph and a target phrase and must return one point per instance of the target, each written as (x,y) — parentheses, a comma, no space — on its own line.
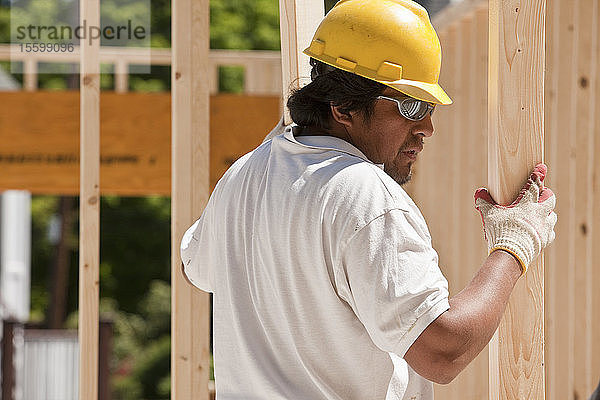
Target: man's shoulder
(359,194)
(366,183)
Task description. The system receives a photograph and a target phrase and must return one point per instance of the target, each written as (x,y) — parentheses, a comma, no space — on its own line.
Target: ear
(340,117)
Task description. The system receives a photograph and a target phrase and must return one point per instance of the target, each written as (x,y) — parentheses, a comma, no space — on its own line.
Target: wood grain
(190,313)
(445,142)
(475,172)
(516,137)
(431,183)
(594,191)
(572,304)
(562,117)
(298,22)
(581,142)
(554,300)
(89,206)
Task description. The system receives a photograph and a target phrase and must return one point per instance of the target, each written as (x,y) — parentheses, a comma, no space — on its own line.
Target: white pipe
(15,254)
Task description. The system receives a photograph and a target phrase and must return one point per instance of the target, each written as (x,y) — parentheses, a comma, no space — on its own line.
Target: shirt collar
(326,143)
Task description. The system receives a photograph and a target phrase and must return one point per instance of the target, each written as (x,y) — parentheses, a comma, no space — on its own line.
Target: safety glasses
(411,108)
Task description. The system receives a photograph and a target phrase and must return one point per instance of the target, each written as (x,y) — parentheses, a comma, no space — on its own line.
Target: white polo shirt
(323,275)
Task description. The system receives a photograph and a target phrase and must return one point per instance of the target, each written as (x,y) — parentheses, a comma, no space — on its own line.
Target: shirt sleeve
(195,255)
(394,283)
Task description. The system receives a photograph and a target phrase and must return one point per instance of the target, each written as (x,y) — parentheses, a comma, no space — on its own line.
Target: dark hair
(310,105)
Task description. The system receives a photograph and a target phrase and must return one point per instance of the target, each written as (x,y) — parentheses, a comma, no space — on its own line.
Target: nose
(425,127)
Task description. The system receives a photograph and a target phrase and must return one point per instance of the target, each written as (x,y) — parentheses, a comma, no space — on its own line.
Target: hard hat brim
(430,92)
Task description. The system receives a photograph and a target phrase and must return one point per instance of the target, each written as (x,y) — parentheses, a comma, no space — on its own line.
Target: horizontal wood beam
(141,56)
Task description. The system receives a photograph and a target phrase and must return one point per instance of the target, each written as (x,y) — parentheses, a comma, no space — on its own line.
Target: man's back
(307,302)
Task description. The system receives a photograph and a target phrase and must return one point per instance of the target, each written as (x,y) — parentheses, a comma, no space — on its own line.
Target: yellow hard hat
(389,41)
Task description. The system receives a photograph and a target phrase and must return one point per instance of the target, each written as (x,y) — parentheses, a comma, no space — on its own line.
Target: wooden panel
(437,181)
(561,117)
(454,150)
(516,111)
(594,228)
(238,124)
(40,141)
(472,384)
(554,298)
(581,141)
(445,142)
(263,78)
(478,172)
(462,128)
(89,206)
(41,150)
(572,53)
(190,309)
(455,12)
(298,21)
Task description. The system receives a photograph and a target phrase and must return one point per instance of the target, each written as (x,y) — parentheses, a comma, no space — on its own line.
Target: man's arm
(457,336)
(516,234)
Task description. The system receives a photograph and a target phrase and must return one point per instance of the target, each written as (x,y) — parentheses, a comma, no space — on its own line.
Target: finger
(530,191)
(551,238)
(483,207)
(551,219)
(547,199)
(483,194)
(540,171)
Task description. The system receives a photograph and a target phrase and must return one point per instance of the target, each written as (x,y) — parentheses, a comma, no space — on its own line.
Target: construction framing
(516,108)
(89,206)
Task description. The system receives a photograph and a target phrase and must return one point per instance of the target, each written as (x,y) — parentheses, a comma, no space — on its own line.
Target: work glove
(526,226)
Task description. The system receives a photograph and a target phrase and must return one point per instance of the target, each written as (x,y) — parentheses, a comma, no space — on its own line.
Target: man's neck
(335,131)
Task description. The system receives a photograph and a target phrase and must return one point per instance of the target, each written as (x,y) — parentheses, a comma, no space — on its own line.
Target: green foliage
(43,208)
(143,347)
(134,247)
(4,23)
(244,24)
(231,79)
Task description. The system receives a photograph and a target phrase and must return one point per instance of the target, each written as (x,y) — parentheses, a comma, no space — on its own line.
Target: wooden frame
(262,67)
(190,311)
(89,206)
(516,139)
(299,20)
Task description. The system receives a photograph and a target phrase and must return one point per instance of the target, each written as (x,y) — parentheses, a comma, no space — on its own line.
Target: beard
(399,177)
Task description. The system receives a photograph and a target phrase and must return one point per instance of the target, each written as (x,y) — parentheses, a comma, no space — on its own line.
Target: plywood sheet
(39,139)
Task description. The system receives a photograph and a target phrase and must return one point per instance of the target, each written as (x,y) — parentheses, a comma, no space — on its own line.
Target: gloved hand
(526,226)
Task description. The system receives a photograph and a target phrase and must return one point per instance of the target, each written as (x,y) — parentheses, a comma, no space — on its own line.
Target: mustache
(413,143)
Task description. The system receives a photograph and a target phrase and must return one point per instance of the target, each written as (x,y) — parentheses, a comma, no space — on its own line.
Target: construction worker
(325,282)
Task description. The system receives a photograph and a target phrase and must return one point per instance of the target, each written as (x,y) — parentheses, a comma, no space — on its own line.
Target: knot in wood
(87,80)
(93,200)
